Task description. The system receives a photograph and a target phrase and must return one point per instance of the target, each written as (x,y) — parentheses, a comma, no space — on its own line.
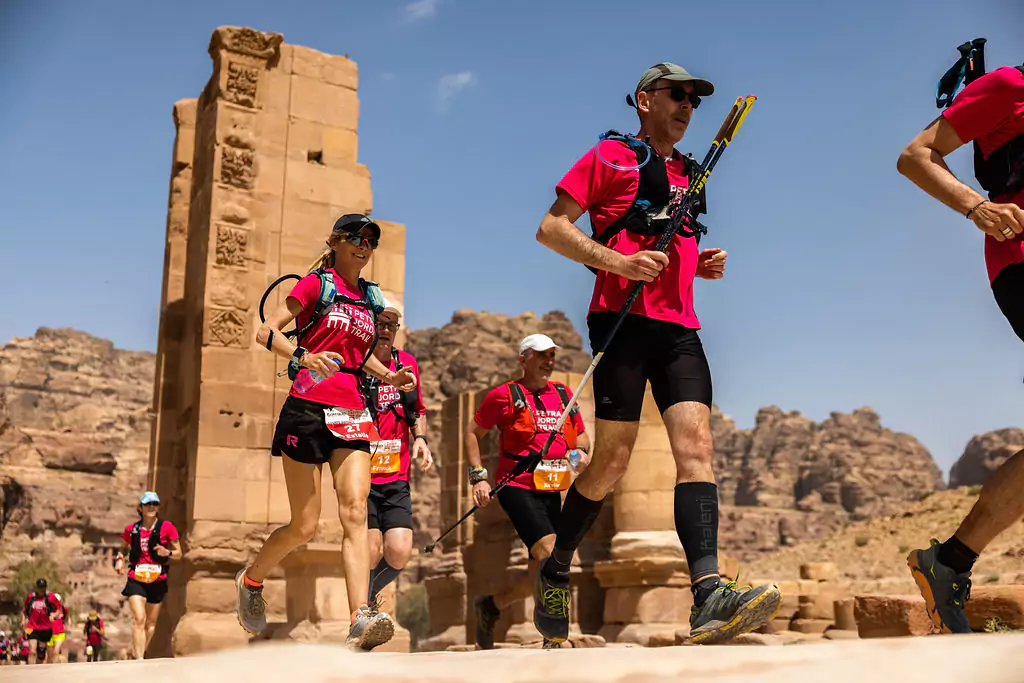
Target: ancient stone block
(640,544)
(242,82)
(246,41)
(819,606)
(884,616)
(237,167)
(331,69)
(203,632)
(644,511)
(231,246)
(819,571)
(226,327)
(1003,603)
(645,605)
(324,103)
(844,614)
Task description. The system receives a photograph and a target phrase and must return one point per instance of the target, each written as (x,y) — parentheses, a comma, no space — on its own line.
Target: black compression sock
(381,576)
(703,589)
(957,556)
(696,513)
(577,516)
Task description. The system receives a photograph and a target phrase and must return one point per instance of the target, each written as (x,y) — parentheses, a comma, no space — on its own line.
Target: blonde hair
(326,258)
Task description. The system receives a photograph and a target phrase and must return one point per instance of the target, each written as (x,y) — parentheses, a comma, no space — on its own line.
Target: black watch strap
(298,353)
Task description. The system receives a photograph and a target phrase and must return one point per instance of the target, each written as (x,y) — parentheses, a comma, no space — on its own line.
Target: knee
(139,620)
(303,529)
(614,462)
(352,513)
(541,550)
(397,554)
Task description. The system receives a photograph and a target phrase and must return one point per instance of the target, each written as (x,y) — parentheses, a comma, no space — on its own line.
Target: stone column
(274,165)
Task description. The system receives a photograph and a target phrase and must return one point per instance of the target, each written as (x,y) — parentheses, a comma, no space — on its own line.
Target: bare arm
(482,489)
(583,441)
(924,164)
(175,549)
(558,233)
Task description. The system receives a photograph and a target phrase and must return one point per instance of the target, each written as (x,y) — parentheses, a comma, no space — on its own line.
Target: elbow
(905,162)
(545,231)
(263,334)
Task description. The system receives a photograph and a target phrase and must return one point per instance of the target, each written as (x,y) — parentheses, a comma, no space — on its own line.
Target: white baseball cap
(395,308)
(536,342)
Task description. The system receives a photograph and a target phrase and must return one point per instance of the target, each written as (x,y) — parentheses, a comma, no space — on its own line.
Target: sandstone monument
(263,163)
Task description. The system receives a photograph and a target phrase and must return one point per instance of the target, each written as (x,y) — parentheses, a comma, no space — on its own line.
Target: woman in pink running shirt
(327,422)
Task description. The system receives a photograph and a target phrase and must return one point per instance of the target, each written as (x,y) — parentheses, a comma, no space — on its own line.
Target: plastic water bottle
(304,383)
(574,459)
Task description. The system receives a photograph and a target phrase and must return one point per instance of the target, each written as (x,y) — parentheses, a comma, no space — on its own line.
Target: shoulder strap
(155,538)
(518,397)
(407,398)
(564,395)
(136,550)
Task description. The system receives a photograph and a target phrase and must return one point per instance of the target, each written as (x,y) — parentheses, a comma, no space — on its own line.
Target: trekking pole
(733,120)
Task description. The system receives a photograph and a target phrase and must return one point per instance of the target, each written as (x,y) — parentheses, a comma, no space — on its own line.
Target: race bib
(552,475)
(350,425)
(148,573)
(386,456)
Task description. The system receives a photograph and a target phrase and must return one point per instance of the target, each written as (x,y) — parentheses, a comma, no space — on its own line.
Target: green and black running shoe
(945,592)
(731,610)
(551,605)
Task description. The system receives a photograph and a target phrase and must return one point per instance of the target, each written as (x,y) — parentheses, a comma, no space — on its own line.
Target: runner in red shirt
(151,543)
(327,422)
(989,111)
(401,423)
(56,644)
(525,412)
(37,617)
(24,648)
(93,631)
(658,342)
(5,649)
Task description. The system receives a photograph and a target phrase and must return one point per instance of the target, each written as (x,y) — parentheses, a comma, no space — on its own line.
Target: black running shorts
(667,355)
(153,592)
(534,514)
(303,436)
(389,506)
(1008,288)
(41,635)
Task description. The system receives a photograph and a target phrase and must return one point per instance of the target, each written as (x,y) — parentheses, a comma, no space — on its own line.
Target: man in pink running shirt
(990,112)
(37,617)
(628,190)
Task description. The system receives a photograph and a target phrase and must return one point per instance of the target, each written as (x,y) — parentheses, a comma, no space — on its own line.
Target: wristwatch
(294,364)
(297,355)
(477,475)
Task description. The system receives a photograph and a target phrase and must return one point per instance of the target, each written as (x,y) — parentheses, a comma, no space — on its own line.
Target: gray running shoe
(370,628)
(487,614)
(251,608)
(731,610)
(945,592)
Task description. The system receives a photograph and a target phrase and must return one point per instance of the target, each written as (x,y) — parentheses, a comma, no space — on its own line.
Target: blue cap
(149,497)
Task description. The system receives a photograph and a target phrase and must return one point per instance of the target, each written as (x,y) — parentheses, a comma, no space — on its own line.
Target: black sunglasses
(358,240)
(679,93)
(388,326)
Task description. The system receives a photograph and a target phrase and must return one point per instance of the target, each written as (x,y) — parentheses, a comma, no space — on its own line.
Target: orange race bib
(386,456)
(552,475)
(147,573)
(350,425)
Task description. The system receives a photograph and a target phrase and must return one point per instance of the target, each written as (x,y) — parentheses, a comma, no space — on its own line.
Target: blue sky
(846,285)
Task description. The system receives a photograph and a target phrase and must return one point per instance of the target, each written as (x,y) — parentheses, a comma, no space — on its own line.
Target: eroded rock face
(983,456)
(74,450)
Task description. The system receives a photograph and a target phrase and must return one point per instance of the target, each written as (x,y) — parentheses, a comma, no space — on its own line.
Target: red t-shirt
(606,194)
(58,622)
(92,638)
(24,645)
(167,534)
(991,111)
(347,330)
(38,608)
(391,456)
(497,411)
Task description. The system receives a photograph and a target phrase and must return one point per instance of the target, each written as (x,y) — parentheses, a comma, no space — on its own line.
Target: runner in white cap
(402,425)
(525,411)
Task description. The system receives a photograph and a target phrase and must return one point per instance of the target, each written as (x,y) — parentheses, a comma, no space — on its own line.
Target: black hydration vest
(407,400)
(135,554)
(1002,173)
(649,212)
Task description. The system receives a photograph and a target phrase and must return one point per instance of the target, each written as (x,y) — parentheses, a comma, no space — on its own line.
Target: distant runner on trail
(628,189)
(525,411)
(94,633)
(402,426)
(989,112)
(151,544)
(56,644)
(37,617)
